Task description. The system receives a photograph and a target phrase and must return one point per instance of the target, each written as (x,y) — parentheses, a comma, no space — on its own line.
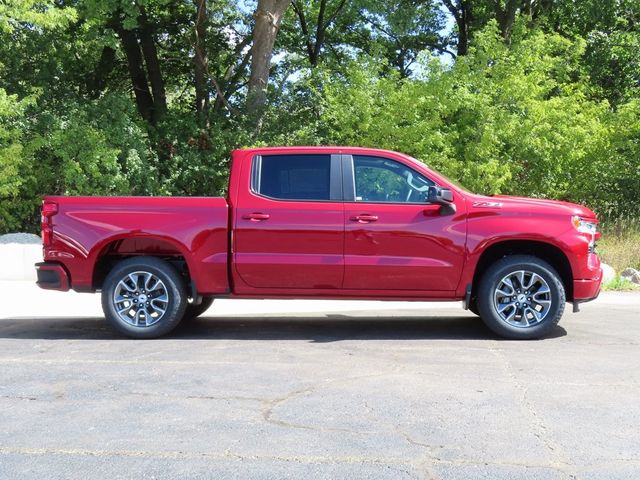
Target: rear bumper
(52,276)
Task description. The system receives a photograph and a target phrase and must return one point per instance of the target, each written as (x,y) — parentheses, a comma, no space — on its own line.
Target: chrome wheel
(522,298)
(140,299)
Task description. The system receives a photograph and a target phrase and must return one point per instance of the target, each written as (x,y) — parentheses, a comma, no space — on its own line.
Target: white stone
(629,272)
(608,273)
(17,261)
(632,275)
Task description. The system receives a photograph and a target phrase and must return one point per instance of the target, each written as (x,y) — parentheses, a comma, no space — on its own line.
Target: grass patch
(618,283)
(620,244)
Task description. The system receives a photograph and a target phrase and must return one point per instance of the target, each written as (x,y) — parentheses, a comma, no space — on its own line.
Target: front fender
(489,228)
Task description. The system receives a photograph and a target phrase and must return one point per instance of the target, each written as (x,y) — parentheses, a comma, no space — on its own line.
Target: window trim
(335,179)
(349,180)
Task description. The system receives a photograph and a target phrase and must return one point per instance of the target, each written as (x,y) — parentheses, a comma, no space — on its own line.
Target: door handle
(256,217)
(364,218)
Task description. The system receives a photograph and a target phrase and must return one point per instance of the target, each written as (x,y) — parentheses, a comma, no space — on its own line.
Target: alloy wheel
(141,299)
(522,298)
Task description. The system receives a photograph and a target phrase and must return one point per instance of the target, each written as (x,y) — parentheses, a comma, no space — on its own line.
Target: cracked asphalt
(335,390)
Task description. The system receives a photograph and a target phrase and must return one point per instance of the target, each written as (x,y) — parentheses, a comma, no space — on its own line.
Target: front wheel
(521,297)
(144,297)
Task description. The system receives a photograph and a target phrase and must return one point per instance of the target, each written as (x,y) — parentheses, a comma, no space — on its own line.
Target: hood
(532,205)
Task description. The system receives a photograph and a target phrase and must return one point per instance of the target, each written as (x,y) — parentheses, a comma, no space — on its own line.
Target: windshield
(454,182)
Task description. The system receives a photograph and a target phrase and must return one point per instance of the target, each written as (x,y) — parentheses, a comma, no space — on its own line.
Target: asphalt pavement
(315,390)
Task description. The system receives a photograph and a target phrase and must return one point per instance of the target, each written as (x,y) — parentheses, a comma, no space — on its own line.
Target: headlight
(584,226)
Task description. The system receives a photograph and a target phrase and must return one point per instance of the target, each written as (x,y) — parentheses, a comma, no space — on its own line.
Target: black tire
(192,311)
(492,279)
(173,290)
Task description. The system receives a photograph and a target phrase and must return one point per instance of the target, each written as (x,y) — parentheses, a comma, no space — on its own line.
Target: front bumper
(587,289)
(587,286)
(52,276)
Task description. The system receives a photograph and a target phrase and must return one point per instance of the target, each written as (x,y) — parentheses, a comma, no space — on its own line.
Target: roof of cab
(317,149)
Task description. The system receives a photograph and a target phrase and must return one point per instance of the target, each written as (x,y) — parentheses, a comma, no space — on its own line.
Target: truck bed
(193,228)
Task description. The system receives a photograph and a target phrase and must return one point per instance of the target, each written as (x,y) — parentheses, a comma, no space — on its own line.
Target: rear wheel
(194,311)
(144,297)
(521,297)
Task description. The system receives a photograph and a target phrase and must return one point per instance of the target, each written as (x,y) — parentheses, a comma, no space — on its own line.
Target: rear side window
(292,177)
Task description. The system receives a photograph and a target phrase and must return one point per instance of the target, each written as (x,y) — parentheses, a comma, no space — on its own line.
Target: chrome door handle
(256,217)
(364,218)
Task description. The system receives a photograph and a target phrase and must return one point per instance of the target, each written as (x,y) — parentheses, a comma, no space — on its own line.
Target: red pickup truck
(323,222)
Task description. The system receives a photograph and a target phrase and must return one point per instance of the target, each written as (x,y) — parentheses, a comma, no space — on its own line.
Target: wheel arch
(117,248)
(546,251)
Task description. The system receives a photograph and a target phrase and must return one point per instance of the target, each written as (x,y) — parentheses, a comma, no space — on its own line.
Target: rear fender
(102,249)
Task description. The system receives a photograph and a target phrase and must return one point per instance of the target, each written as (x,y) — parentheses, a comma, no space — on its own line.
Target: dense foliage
(149,97)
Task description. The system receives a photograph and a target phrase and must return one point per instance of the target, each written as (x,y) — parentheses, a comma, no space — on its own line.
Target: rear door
(289,227)
(394,239)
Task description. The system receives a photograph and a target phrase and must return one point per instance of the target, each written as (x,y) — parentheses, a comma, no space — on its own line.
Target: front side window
(293,177)
(382,180)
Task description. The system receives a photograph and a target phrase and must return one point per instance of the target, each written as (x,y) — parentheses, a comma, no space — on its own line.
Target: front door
(394,239)
(289,229)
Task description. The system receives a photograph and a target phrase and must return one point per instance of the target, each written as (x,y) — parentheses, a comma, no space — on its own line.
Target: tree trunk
(150,53)
(314,48)
(268,17)
(320,31)
(461,11)
(201,67)
(299,9)
(144,100)
(463,39)
(97,80)
(507,17)
(465,36)
(231,81)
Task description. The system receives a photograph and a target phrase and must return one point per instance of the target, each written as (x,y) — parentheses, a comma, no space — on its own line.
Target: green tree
(504,119)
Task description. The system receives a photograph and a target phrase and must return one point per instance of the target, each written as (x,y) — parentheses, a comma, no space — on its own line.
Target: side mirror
(440,195)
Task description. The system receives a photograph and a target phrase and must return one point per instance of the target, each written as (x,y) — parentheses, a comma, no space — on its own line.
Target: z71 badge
(487,204)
